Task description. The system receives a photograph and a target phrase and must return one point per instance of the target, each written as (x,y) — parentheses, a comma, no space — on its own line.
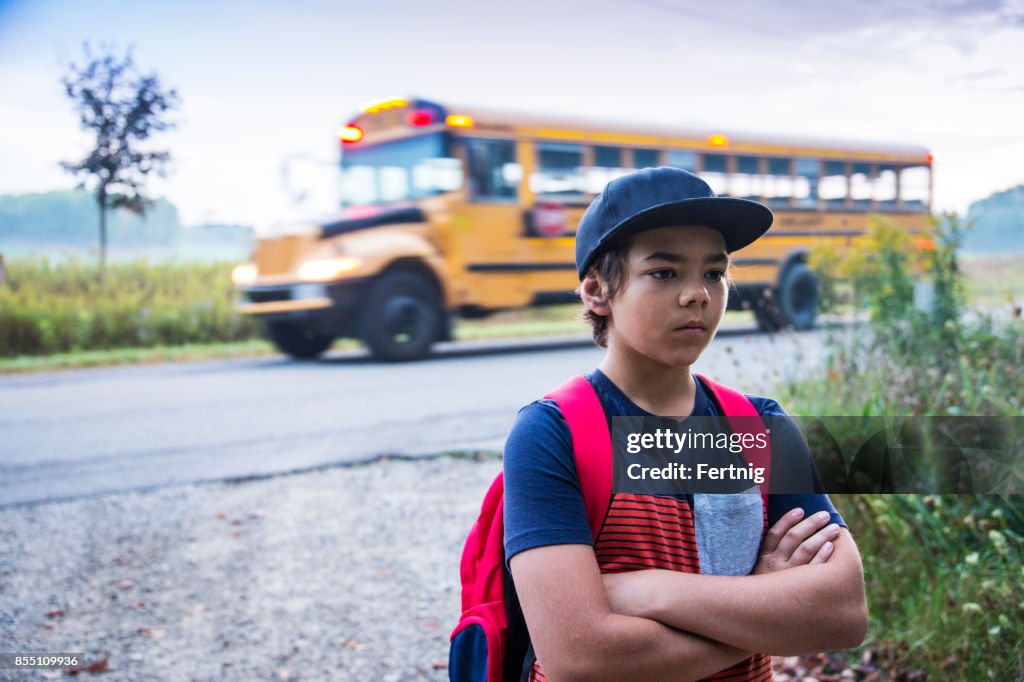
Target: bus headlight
(244,274)
(326,269)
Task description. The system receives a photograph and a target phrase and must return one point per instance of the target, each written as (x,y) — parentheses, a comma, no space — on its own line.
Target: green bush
(945,583)
(943,573)
(49,306)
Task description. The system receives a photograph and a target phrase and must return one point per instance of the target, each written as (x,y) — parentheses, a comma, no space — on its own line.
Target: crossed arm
(663,625)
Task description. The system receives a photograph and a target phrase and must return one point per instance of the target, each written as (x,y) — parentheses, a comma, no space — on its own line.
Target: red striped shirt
(648,531)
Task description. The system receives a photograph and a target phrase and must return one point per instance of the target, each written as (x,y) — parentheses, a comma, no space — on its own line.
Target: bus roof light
(928,158)
(350,133)
(459,121)
(419,117)
(718,141)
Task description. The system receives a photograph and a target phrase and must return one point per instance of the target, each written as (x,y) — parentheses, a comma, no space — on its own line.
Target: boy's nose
(694,294)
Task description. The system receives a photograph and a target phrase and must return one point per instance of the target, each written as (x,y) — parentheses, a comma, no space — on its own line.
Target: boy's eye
(716,275)
(663,274)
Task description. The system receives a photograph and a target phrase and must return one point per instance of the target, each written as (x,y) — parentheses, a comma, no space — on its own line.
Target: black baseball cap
(657,197)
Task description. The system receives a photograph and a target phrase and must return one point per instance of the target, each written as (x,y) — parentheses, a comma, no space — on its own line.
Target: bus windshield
(400,170)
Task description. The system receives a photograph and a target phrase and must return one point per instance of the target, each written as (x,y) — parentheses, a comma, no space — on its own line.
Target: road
(76,433)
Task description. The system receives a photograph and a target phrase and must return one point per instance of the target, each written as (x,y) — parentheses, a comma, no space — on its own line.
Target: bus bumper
(329,308)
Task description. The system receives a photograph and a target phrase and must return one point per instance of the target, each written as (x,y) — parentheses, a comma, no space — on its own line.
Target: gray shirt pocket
(728,528)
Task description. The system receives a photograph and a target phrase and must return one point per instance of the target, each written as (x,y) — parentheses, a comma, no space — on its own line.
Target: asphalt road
(76,433)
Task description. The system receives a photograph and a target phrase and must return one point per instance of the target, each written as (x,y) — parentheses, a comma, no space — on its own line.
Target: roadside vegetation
(944,572)
(61,306)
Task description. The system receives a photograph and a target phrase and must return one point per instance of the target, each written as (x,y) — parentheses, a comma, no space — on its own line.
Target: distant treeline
(71,218)
(998,223)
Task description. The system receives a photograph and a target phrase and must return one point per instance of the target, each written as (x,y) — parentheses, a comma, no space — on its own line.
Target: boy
(639,603)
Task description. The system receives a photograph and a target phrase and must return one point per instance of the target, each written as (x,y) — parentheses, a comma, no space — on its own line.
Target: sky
(265,85)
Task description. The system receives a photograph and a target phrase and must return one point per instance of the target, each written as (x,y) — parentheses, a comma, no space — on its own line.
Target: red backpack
(490,642)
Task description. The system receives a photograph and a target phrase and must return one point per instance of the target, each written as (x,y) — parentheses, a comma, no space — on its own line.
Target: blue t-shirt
(543,500)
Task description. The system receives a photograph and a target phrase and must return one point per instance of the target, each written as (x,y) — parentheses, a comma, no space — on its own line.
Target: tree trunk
(101,198)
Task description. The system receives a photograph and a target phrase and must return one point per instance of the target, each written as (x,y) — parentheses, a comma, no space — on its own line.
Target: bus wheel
(766,311)
(297,341)
(798,296)
(402,317)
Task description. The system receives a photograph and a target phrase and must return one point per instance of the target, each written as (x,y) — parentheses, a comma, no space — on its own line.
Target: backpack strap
(738,409)
(591,445)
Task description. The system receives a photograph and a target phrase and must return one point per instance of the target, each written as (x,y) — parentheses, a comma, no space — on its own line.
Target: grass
(945,583)
(993,279)
(125,356)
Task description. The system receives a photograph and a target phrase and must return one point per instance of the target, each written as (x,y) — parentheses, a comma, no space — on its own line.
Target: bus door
(488,228)
(564,178)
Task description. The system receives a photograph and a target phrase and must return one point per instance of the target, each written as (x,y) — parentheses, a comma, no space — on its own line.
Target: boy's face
(673,295)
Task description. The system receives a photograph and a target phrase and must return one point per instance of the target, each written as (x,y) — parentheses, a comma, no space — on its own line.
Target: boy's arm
(576,636)
(803,609)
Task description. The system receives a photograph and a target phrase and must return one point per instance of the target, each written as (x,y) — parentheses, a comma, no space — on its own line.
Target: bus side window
(559,173)
(714,173)
(886,188)
(861,186)
(833,186)
(747,182)
(608,165)
(683,158)
(914,187)
(646,158)
(806,191)
(493,171)
(778,182)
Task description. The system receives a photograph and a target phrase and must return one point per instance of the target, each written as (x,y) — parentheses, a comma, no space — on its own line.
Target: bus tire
(297,341)
(798,297)
(402,317)
(766,311)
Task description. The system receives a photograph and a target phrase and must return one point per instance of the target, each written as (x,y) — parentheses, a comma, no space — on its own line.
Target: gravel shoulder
(344,573)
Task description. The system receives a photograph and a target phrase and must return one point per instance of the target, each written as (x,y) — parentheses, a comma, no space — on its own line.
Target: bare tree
(122,109)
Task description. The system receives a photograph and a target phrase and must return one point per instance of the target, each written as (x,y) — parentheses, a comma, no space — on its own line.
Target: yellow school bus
(451,211)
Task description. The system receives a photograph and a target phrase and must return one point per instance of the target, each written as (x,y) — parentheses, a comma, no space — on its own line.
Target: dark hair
(610,266)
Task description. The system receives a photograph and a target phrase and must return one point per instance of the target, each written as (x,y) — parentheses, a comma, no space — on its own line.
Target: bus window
(390,171)
(914,187)
(394,183)
(681,158)
(778,183)
(493,171)
(646,158)
(714,172)
(747,182)
(885,188)
(559,173)
(806,189)
(861,190)
(607,166)
(833,186)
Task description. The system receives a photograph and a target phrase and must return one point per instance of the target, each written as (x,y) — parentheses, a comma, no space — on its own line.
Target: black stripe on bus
(395,217)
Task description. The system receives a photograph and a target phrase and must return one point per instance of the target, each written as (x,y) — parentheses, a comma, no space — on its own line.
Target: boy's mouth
(695,325)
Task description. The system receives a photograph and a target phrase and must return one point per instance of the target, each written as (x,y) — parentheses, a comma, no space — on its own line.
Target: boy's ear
(594,292)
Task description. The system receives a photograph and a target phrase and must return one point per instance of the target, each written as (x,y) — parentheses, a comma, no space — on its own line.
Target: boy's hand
(792,542)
